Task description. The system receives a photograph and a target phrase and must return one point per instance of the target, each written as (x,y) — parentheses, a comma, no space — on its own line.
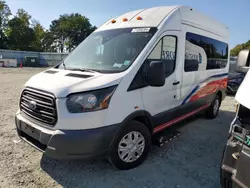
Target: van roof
(153,17)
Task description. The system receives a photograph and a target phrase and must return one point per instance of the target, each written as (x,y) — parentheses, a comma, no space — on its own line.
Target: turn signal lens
(139,18)
(113,21)
(124,19)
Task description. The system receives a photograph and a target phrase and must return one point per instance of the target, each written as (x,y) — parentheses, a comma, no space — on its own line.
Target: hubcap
(131,146)
(216,106)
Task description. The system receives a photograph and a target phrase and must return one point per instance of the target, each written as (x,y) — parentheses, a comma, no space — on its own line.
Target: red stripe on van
(170,123)
(210,88)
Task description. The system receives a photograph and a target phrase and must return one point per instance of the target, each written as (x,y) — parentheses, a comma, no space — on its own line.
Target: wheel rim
(216,106)
(131,146)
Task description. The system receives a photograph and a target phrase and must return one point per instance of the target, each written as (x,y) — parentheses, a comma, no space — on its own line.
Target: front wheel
(131,147)
(213,110)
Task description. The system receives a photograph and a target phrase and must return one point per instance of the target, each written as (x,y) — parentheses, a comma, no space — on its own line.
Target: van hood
(243,93)
(64,82)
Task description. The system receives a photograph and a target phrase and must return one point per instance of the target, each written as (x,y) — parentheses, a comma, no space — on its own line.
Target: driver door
(159,101)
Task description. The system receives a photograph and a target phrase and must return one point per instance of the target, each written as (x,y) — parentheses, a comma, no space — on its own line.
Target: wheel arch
(222,94)
(219,93)
(141,116)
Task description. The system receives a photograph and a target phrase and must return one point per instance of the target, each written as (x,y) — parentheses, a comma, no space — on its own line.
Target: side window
(165,51)
(204,53)
(193,51)
(217,53)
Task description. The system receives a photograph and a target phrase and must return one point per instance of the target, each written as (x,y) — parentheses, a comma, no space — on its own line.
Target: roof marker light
(113,21)
(124,19)
(139,18)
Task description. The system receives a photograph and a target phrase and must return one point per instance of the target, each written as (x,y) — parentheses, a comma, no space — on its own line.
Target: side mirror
(243,61)
(156,74)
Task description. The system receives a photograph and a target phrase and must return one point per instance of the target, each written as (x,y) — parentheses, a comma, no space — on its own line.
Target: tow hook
(236,155)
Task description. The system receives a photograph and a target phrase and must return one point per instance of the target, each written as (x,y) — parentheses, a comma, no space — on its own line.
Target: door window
(165,51)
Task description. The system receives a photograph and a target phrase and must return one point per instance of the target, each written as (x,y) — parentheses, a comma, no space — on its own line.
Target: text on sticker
(140,30)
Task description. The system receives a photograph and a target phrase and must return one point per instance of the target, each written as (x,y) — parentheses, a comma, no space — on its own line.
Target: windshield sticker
(127,62)
(140,30)
(117,65)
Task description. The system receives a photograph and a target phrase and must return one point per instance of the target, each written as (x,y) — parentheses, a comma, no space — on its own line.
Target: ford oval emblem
(32,105)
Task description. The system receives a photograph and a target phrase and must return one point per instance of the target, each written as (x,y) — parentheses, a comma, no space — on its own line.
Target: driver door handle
(176,83)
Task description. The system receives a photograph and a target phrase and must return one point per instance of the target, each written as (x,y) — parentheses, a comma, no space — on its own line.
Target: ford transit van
(136,75)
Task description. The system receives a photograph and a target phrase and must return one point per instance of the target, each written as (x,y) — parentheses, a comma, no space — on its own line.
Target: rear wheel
(213,110)
(131,147)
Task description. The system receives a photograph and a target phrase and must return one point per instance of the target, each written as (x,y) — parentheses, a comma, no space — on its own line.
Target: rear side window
(204,53)
(165,51)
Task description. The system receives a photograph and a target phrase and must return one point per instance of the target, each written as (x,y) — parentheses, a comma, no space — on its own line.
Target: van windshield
(109,51)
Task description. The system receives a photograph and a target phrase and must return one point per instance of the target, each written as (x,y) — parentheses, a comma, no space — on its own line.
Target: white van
(135,76)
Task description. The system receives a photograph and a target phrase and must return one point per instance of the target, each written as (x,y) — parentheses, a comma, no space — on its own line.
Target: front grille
(39,106)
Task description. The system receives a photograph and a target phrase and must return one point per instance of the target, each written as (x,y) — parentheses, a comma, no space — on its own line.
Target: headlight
(90,101)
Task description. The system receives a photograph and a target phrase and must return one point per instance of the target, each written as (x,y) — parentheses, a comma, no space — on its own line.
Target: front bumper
(67,144)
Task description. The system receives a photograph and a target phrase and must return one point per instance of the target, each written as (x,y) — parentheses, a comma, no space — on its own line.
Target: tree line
(22,32)
(235,51)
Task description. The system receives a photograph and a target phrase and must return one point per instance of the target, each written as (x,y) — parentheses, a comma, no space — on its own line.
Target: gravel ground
(191,160)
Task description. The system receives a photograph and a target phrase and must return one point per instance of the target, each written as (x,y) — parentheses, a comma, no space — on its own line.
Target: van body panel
(202,81)
(194,18)
(123,105)
(205,87)
(65,82)
(242,94)
(178,111)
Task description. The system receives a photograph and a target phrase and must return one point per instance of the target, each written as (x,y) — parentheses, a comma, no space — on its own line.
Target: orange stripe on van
(210,88)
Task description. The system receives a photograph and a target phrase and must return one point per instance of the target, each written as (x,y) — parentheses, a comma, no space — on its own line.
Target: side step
(164,137)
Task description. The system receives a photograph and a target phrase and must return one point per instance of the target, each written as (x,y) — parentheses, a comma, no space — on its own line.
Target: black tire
(210,112)
(225,177)
(114,158)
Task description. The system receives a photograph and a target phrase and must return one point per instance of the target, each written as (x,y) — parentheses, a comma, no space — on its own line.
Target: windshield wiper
(84,70)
